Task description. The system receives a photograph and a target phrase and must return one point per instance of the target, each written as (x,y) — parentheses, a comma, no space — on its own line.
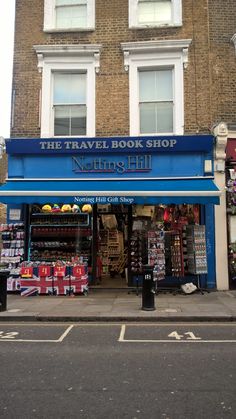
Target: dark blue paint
(193,143)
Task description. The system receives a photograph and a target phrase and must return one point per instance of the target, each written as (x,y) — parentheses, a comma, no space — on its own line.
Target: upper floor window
(68,89)
(69,15)
(156,100)
(69,103)
(156,85)
(153,13)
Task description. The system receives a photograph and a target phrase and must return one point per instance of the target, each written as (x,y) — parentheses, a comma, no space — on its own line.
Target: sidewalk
(118,305)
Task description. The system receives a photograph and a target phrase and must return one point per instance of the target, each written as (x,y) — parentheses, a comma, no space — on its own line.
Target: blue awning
(165,191)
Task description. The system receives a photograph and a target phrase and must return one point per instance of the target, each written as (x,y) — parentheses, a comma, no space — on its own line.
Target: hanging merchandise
(12,252)
(156,253)
(196,249)
(231,195)
(174,253)
(139,255)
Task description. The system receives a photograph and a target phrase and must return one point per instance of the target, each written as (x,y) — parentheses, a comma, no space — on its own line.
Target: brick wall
(222,26)
(3,169)
(204,102)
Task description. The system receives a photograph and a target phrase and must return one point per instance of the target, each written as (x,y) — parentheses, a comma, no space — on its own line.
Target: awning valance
(165,191)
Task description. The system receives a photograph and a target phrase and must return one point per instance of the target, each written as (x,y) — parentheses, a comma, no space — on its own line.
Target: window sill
(58,30)
(160,26)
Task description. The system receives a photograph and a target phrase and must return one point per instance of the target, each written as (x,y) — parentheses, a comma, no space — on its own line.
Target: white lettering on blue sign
(103,200)
(161,143)
(116,144)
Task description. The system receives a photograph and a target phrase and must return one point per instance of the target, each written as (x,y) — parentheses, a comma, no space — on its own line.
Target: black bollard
(3,289)
(148,291)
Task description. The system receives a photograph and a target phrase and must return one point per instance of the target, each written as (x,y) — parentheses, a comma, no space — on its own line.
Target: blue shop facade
(116,203)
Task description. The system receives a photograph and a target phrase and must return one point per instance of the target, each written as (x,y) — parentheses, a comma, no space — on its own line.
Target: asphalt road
(147,371)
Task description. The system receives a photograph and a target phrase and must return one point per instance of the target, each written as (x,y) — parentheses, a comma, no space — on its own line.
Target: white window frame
(176,16)
(74,58)
(50,18)
(156,55)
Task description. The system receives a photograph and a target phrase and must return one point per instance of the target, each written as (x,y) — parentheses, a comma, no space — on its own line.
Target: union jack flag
(34,286)
(70,285)
(54,285)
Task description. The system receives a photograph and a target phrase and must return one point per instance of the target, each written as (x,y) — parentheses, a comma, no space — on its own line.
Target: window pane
(71,17)
(155,85)
(154,11)
(78,120)
(69,120)
(147,118)
(69,88)
(156,117)
(61,120)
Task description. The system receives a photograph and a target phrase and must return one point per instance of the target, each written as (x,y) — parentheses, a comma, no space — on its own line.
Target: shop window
(156,86)
(66,15)
(68,89)
(153,13)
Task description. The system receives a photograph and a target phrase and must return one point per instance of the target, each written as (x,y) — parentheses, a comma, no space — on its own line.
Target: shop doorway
(113,223)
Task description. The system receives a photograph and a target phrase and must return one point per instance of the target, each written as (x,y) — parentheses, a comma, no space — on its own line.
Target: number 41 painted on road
(190,335)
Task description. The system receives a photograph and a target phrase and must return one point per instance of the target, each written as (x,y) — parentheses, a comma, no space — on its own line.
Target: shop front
(111,206)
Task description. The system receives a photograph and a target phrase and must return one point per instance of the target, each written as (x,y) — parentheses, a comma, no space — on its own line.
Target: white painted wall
(222,276)
(221,242)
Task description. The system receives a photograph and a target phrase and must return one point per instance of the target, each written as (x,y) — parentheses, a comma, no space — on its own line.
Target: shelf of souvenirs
(60,218)
(52,245)
(58,231)
(53,254)
(12,231)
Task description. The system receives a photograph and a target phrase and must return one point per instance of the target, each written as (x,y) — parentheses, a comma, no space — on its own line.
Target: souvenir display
(174,254)
(12,252)
(139,253)
(59,278)
(59,236)
(156,253)
(196,249)
(115,245)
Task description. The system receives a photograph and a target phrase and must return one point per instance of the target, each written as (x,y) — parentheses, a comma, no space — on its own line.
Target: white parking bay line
(122,333)
(65,333)
(123,340)
(61,338)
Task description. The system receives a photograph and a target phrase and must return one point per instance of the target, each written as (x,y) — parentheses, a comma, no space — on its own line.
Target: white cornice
(80,50)
(233,39)
(172,45)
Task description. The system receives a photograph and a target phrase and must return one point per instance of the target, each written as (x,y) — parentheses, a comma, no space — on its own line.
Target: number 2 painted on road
(177,336)
(8,335)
